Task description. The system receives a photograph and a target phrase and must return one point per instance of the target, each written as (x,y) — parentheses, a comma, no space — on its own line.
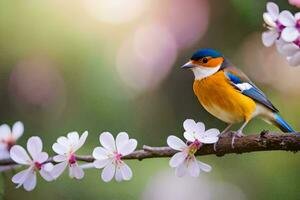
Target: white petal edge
(121,139)
(17,130)
(273,10)
(34,146)
(19,155)
(286,18)
(107,141)
(108,172)
(204,167)
(269,37)
(128,148)
(82,140)
(177,159)
(176,143)
(290,34)
(189,125)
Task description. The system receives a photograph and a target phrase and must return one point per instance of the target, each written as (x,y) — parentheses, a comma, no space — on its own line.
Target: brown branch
(265,141)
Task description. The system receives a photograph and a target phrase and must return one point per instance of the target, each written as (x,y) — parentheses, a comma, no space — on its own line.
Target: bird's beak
(188,65)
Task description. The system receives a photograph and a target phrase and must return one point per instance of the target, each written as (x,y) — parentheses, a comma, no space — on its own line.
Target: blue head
(204,62)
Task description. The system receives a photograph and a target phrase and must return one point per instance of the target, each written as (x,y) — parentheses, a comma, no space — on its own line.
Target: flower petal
(286,18)
(81,140)
(107,141)
(189,125)
(189,136)
(46,172)
(126,172)
(60,158)
(59,149)
(289,49)
(269,37)
(180,171)
(108,172)
(63,141)
(297,16)
(76,172)
(34,146)
(176,143)
(20,177)
(4,153)
(19,155)
(118,175)
(17,130)
(100,153)
(204,167)
(101,163)
(193,167)
(213,132)
(273,10)
(30,182)
(58,169)
(128,148)
(177,159)
(4,132)
(295,59)
(41,157)
(269,20)
(73,137)
(121,139)
(290,34)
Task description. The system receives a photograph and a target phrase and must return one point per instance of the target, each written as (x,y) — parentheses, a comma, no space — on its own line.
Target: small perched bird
(228,94)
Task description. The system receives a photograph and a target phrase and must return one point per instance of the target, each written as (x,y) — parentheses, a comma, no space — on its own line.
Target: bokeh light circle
(36,84)
(114,11)
(145,59)
(187,20)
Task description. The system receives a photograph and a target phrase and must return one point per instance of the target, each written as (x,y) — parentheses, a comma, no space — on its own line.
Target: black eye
(204,60)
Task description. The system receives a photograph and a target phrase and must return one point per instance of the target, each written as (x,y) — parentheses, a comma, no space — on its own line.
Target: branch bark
(265,141)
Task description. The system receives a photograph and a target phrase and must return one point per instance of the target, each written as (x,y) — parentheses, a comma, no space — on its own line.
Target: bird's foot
(223,134)
(237,134)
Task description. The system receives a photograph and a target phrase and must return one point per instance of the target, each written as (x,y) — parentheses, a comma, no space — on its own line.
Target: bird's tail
(281,124)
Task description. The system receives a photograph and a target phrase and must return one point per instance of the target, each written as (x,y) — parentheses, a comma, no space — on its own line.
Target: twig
(265,141)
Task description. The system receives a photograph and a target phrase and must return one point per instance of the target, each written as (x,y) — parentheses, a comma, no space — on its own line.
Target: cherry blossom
(8,137)
(274,26)
(196,131)
(109,156)
(284,31)
(185,161)
(66,147)
(36,163)
(291,23)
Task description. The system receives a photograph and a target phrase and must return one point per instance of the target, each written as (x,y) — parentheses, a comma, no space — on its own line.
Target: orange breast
(222,100)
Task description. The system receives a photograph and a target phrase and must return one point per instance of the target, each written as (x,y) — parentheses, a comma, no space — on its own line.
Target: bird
(228,94)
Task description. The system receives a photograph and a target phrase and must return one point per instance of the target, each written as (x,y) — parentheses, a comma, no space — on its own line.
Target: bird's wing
(242,83)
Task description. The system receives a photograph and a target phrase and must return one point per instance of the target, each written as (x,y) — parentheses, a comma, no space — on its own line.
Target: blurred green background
(114,65)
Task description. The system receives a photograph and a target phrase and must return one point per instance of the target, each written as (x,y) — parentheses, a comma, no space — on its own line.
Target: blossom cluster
(108,156)
(283,31)
(185,161)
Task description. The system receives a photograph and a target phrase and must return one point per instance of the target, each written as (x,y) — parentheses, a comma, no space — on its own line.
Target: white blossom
(274,27)
(8,137)
(291,23)
(109,156)
(196,131)
(35,163)
(284,31)
(185,161)
(66,147)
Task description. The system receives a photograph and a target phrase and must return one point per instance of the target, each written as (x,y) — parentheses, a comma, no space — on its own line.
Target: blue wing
(239,79)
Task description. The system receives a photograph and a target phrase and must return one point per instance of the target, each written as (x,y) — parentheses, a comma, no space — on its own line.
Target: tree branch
(264,141)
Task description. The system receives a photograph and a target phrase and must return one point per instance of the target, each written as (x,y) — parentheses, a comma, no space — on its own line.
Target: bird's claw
(237,134)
